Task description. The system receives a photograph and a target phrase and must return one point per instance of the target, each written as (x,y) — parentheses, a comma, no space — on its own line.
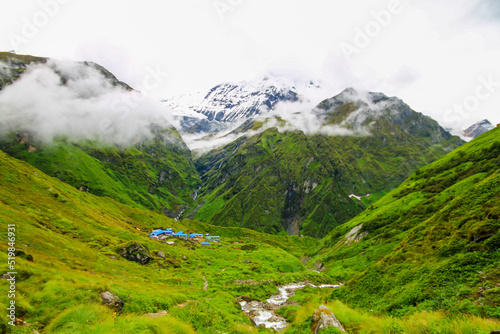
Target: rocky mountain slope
(282,180)
(478,129)
(432,243)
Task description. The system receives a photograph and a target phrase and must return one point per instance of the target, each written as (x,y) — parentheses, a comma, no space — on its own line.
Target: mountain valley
(357,206)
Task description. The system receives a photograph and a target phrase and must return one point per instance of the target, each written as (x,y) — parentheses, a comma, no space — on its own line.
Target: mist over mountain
(207,120)
(76,100)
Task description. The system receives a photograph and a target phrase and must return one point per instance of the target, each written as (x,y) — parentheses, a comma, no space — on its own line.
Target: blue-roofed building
(181,235)
(157,233)
(205,243)
(195,236)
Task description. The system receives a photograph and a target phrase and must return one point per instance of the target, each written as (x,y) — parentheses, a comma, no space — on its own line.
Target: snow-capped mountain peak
(230,104)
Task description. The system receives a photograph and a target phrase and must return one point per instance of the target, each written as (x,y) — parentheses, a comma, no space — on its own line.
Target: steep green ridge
(433,243)
(158,174)
(289,181)
(74,237)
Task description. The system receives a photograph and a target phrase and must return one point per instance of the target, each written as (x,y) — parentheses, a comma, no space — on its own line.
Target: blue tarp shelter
(181,235)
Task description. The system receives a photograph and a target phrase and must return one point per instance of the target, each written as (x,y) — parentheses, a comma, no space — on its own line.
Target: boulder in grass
(135,252)
(112,301)
(323,318)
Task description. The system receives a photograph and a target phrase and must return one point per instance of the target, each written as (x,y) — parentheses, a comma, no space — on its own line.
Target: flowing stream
(263,313)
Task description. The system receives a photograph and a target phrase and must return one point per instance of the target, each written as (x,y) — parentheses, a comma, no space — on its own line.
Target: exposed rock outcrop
(354,235)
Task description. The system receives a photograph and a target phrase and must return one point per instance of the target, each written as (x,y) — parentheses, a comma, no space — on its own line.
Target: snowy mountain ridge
(230,104)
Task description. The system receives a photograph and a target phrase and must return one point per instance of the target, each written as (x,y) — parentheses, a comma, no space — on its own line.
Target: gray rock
(246,261)
(135,252)
(161,254)
(246,299)
(157,315)
(324,318)
(112,301)
(318,265)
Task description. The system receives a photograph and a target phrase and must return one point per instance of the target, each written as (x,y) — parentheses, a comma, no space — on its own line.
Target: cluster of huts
(203,239)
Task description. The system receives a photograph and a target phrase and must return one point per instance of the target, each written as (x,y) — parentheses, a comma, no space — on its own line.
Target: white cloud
(87,106)
(430,54)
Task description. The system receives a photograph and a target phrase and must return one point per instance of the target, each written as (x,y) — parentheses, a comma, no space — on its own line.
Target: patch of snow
(356,197)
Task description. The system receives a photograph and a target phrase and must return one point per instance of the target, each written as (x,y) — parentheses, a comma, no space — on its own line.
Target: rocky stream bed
(263,313)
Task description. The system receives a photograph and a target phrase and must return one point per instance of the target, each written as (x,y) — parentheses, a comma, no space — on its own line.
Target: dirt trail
(205,286)
(187,302)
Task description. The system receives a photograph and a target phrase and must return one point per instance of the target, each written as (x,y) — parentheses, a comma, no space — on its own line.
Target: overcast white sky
(441,57)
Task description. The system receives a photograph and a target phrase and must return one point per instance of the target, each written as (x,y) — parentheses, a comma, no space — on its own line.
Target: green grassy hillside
(69,243)
(74,238)
(158,174)
(289,181)
(433,243)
